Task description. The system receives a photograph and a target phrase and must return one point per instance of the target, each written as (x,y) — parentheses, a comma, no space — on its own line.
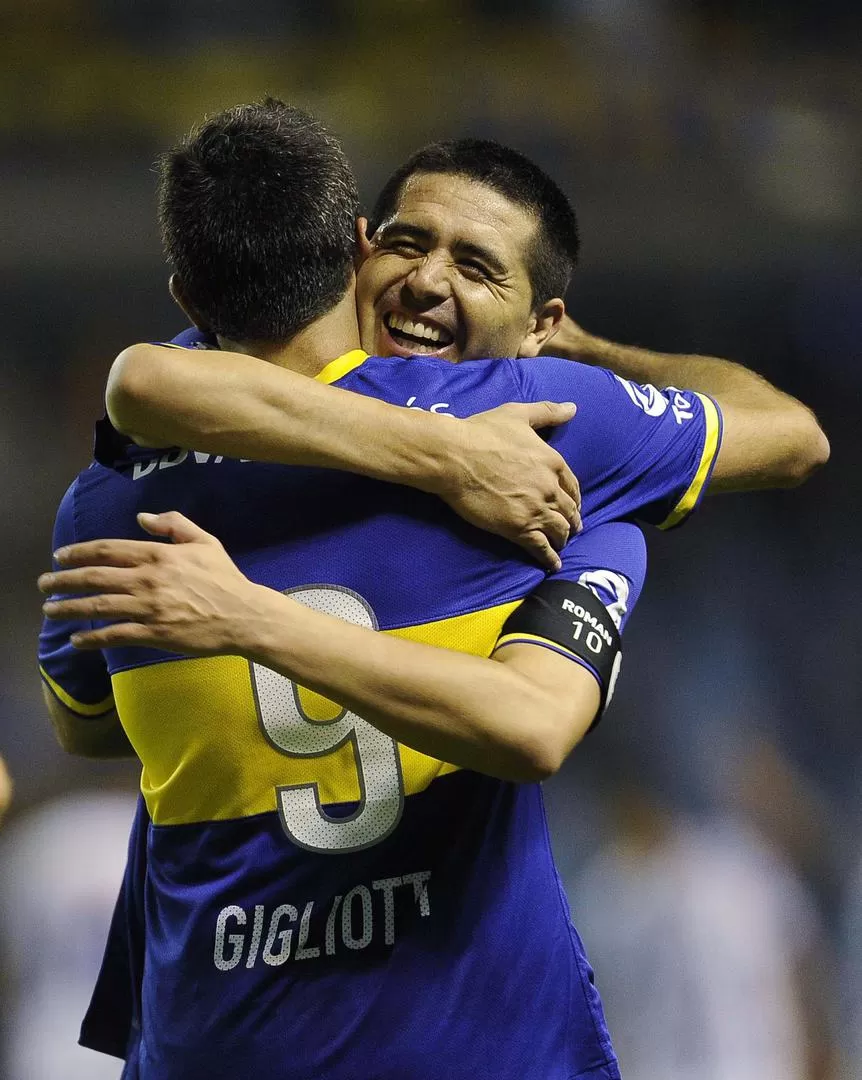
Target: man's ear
(178,293)
(363,244)
(545,323)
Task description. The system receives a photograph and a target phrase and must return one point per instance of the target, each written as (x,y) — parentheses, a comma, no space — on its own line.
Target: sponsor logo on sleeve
(647,397)
(611,588)
(655,402)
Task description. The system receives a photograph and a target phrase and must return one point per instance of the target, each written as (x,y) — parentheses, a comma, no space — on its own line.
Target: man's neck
(309,351)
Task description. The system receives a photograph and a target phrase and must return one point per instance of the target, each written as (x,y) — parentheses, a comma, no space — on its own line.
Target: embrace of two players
(342,677)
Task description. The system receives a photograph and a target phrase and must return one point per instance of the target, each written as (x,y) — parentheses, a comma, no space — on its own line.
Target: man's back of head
(258,210)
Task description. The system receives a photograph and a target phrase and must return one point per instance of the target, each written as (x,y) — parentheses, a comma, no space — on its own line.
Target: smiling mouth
(417,334)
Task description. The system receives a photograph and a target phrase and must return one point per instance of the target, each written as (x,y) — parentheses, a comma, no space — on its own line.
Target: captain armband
(570,619)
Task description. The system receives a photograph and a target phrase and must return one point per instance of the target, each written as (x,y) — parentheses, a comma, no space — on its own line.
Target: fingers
(556,529)
(566,506)
(543,414)
(171,525)
(546,539)
(538,546)
(87,579)
(114,636)
(569,483)
(110,553)
(175,526)
(103,606)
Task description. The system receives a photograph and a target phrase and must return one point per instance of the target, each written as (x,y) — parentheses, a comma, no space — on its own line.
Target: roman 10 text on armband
(569,618)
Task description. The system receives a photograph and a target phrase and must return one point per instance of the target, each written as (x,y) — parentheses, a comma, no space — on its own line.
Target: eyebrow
(463,247)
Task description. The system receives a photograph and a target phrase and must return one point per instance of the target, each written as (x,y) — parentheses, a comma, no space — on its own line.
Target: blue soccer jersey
(320,901)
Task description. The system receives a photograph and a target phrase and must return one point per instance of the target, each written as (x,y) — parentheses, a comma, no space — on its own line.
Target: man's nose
(427,284)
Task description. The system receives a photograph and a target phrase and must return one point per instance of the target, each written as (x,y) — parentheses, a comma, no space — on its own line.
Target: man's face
(447,275)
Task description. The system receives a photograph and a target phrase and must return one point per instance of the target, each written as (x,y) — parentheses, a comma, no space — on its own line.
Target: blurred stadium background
(714,153)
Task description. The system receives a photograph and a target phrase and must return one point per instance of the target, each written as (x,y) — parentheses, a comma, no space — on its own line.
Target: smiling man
(492,242)
(468,252)
(472,247)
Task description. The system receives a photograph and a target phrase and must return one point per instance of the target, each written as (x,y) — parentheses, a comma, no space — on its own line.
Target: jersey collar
(341,366)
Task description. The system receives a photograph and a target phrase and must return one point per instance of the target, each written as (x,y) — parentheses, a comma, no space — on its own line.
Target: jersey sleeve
(79,680)
(637,451)
(190,338)
(112,1024)
(610,561)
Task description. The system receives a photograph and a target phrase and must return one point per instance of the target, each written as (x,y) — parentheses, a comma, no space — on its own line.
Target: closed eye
(401,241)
(403,247)
(474,269)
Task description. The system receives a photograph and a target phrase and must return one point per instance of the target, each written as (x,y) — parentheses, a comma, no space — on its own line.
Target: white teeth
(417,329)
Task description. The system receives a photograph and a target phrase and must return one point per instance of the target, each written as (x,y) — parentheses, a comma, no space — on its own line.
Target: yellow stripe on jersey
(195,726)
(535,639)
(710,446)
(79,707)
(337,369)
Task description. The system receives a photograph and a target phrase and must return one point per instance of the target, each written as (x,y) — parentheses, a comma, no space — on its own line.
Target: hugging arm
(76,686)
(86,736)
(515,716)
(769,440)
(492,469)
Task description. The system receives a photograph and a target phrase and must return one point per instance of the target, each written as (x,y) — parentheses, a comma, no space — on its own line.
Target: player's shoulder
(88,499)
(554,371)
(519,370)
(610,559)
(433,384)
(610,536)
(433,366)
(66,508)
(612,545)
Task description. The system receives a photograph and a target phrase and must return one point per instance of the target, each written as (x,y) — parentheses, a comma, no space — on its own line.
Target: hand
(508,481)
(186,597)
(5,789)
(571,342)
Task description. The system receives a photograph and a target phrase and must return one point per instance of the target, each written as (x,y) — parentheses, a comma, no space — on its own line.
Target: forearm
(711,375)
(172,397)
(770,439)
(462,709)
(99,737)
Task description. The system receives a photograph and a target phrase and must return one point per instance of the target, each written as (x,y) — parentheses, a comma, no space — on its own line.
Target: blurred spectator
(701,934)
(852,941)
(60,869)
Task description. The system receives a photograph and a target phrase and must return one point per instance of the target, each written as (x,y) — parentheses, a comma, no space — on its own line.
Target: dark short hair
(258,209)
(555,251)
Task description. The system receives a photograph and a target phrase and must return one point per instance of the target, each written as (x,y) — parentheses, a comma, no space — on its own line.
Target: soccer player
(210,778)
